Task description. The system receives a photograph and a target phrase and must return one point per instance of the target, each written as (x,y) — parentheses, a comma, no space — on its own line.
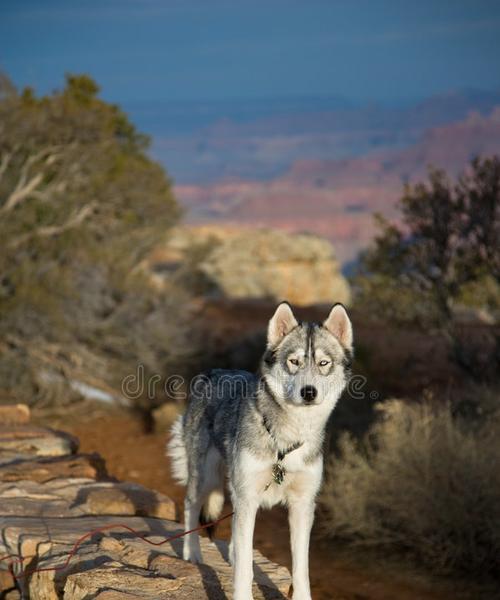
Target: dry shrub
(424,483)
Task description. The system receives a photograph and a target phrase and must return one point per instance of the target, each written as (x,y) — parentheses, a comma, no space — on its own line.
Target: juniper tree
(445,242)
(81,204)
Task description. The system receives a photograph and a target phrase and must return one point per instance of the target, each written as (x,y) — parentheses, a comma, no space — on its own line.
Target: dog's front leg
(301,517)
(301,505)
(245,510)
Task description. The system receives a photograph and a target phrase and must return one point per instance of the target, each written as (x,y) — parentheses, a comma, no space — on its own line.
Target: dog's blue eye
(323,363)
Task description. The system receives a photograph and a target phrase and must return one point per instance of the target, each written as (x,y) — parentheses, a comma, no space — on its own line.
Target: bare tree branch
(51,230)
(25,185)
(5,163)
(21,192)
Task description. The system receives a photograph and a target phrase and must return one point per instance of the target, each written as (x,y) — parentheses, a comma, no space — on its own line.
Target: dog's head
(307,364)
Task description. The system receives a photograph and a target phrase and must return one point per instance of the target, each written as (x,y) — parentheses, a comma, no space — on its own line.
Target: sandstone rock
(79,497)
(88,466)
(258,263)
(164,416)
(41,586)
(25,442)
(106,560)
(130,499)
(6,582)
(115,595)
(137,583)
(169,566)
(45,508)
(14,414)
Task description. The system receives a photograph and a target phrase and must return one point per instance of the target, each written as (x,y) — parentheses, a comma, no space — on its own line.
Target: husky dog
(266,432)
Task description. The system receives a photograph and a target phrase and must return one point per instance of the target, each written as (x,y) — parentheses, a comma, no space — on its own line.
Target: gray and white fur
(265,433)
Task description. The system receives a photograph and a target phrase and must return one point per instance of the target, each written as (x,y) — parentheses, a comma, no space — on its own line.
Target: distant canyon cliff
(336,197)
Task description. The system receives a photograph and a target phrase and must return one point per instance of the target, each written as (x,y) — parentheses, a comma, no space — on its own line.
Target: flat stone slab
(50,497)
(104,562)
(14,414)
(6,582)
(79,497)
(41,470)
(127,583)
(25,442)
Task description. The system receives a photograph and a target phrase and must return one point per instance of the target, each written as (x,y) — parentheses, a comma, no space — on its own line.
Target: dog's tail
(176,449)
(212,510)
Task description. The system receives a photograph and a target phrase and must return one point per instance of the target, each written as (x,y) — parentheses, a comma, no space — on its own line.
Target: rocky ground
(336,573)
(51,496)
(116,566)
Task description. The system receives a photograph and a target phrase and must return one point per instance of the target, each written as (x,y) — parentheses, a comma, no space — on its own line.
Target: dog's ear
(281,323)
(339,324)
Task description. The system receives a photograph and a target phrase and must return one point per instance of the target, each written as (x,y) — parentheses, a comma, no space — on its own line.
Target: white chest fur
(299,476)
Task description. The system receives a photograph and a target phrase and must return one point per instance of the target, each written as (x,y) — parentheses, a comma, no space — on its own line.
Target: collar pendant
(278,473)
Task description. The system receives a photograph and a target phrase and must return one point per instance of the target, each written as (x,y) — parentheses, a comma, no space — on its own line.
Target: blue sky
(172,50)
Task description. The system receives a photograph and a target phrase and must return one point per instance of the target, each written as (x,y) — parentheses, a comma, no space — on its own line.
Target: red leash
(79,541)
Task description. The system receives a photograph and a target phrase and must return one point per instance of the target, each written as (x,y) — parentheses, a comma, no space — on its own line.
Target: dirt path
(133,455)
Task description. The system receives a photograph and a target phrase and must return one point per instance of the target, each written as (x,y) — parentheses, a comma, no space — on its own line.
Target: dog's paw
(192,555)
(230,554)
(242,596)
(195,558)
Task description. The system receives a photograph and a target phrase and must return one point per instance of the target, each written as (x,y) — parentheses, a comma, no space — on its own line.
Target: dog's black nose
(308,393)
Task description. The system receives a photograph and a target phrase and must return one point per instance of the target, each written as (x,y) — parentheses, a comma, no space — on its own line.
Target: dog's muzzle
(308,393)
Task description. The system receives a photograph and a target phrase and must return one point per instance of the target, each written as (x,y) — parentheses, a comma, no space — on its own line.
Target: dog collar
(278,471)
